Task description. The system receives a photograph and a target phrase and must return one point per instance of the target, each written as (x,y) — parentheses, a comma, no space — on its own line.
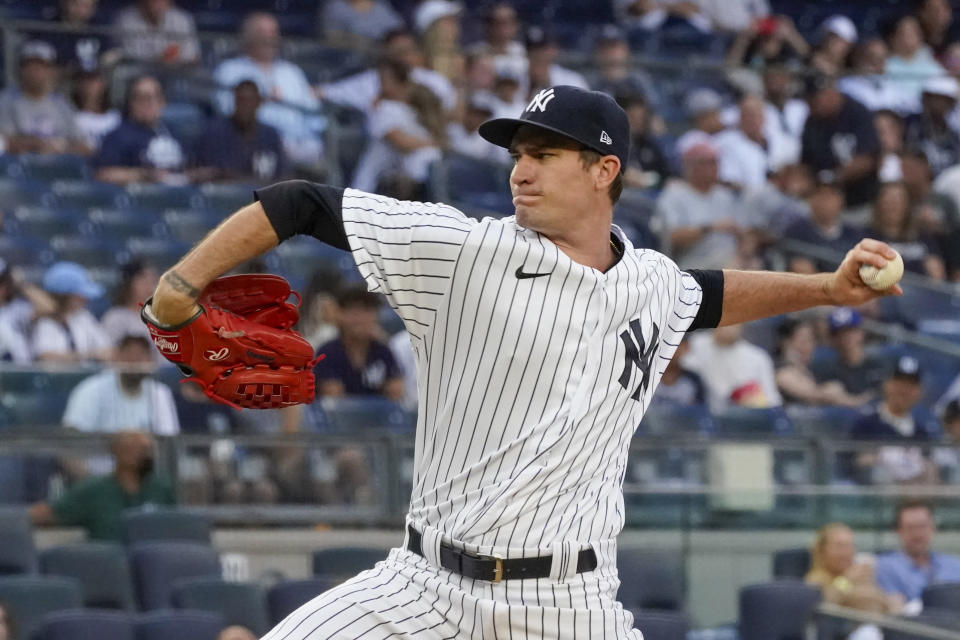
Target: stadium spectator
(947,457)
(680,386)
(838,35)
(765,42)
(462,133)
(910,63)
(8,624)
(437,22)
(71,333)
(236,632)
(506,89)
(824,228)
(97,503)
(929,131)
(868,83)
(352,20)
(785,114)
(291,105)
(654,15)
(889,127)
(157,31)
(734,15)
(357,362)
(318,314)
(20,303)
(892,223)
(240,148)
(408,131)
(138,279)
(936,20)
(362,90)
(795,379)
(500,43)
(79,48)
(700,216)
(34,118)
(781,203)
(402,348)
(849,363)
(95,116)
(613,72)
(141,148)
(915,566)
(839,136)
(747,153)
(899,416)
(543,71)
(734,371)
(124,397)
(845,577)
(648,166)
(703,107)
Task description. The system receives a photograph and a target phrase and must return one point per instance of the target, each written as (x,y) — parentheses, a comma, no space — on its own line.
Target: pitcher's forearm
(244,235)
(751,295)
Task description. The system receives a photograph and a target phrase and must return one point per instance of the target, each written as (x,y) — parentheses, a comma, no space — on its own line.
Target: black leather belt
(492,569)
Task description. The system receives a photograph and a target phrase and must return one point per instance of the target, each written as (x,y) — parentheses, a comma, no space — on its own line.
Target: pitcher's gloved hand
(239,347)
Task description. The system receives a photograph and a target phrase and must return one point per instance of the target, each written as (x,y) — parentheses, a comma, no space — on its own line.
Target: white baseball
(880,279)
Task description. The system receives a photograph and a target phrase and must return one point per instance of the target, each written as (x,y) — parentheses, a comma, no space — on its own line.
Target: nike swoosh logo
(523,275)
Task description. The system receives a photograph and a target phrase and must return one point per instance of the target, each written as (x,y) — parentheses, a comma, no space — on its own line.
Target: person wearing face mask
(124,396)
(97,503)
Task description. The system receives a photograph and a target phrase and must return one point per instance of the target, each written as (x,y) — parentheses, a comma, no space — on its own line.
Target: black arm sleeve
(298,206)
(711,306)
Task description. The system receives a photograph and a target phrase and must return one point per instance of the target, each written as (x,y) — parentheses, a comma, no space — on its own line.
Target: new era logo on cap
(604,138)
(540,101)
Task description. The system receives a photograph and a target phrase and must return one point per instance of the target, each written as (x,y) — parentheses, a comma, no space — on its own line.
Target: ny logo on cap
(604,138)
(540,101)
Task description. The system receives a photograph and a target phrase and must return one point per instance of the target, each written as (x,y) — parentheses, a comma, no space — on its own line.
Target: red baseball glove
(239,347)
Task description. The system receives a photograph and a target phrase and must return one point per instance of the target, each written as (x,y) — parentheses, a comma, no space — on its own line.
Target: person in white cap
(838,35)
(929,131)
(438,24)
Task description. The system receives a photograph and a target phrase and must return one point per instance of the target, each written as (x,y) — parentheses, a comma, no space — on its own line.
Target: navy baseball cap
(591,118)
(843,318)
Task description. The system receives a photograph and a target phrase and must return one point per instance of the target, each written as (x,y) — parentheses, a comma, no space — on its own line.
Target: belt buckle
(497,566)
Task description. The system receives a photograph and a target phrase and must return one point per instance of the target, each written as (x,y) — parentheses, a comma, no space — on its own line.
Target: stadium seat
(161,252)
(791,563)
(43,222)
(829,422)
(238,603)
(50,167)
(747,422)
(43,408)
(164,525)
(90,251)
(944,619)
(185,120)
(944,596)
(156,566)
(651,579)
(224,199)
(159,197)
(341,563)
(286,597)
(663,419)
(87,194)
(365,412)
(17,551)
(87,625)
(101,569)
(26,251)
(13,489)
(189,226)
(661,625)
(181,624)
(120,223)
(30,598)
(776,610)
(472,183)
(15,192)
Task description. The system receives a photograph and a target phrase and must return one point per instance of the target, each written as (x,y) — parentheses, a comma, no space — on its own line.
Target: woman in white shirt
(71,333)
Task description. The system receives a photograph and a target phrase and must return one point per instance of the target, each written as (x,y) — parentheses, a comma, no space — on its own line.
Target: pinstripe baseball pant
(407,595)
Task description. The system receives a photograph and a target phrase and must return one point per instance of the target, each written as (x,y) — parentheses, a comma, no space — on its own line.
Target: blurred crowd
(819,135)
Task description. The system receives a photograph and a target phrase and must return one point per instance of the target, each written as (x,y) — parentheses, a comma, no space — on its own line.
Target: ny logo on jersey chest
(638,354)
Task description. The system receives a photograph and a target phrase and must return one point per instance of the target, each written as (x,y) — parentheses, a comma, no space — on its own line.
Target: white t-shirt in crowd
(742,368)
(99,404)
(382,157)
(81,334)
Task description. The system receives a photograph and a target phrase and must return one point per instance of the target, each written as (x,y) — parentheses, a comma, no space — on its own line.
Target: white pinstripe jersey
(530,388)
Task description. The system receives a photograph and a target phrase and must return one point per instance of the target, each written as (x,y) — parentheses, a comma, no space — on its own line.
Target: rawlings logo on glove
(240,348)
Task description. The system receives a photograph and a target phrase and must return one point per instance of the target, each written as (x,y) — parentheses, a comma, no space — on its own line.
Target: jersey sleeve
(405,250)
(683,296)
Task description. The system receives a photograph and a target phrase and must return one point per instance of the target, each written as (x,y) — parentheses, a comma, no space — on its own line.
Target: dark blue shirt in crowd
(258,155)
(135,145)
(76,49)
(379,367)
(874,427)
(840,242)
(830,143)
